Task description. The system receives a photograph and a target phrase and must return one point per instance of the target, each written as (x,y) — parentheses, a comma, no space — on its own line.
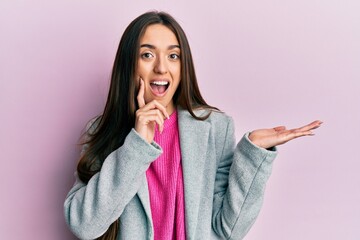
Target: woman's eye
(174,56)
(146,55)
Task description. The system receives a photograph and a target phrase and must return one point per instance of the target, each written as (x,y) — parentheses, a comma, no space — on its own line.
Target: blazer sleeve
(91,208)
(239,186)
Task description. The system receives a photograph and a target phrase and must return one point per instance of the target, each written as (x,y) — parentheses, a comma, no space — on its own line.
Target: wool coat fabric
(224,184)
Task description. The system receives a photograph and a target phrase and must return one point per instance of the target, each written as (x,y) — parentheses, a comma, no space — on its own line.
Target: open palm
(267,138)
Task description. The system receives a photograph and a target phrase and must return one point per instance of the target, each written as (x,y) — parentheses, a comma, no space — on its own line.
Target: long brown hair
(119,114)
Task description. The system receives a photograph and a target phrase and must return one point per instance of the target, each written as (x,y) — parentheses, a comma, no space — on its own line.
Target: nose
(160,65)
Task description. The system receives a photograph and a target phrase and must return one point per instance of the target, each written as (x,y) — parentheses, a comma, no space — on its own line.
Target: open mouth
(159,87)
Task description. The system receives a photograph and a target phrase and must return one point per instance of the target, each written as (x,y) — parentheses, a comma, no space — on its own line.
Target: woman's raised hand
(148,115)
(267,138)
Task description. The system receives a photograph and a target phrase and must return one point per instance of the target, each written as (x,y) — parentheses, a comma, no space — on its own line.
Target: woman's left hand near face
(267,138)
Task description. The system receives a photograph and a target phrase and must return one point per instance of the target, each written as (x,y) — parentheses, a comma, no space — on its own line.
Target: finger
(313,125)
(153,112)
(304,133)
(158,114)
(140,96)
(155,104)
(292,134)
(146,119)
(316,124)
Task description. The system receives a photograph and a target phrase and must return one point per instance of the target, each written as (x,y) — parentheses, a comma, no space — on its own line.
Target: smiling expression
(159,65)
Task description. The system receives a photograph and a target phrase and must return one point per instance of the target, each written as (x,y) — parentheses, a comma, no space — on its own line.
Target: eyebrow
(153,47)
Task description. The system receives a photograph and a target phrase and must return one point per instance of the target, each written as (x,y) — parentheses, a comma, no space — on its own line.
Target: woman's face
(159,65)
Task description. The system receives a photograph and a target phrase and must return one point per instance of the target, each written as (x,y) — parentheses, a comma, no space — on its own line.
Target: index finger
(140,96)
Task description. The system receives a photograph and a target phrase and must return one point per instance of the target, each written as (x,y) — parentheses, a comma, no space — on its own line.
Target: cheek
(143,69)
(178,77)
(176,72)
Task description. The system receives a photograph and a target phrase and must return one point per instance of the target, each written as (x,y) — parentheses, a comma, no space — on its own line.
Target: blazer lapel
(143,194)
(194,135)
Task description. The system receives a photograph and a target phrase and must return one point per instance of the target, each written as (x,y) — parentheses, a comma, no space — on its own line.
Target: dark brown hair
(119,114)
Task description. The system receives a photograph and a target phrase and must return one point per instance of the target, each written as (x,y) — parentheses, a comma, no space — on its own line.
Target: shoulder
(222,124)
(216,119)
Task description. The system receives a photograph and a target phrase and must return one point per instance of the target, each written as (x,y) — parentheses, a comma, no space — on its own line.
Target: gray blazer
(223,184)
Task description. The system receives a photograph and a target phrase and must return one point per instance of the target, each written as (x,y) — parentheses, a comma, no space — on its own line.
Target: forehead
(159,36)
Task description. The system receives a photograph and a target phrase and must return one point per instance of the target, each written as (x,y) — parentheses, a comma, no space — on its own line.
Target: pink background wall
(263,62)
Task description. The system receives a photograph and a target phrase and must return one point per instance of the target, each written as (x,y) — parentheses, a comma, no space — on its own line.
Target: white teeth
(161,83)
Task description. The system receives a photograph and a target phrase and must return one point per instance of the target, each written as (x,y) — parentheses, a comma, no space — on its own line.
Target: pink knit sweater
(166,187)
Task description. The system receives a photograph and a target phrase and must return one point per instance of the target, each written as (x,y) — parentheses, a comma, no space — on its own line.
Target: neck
(170,108)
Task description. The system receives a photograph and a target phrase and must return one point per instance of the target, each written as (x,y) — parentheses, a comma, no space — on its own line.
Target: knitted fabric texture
(166,187)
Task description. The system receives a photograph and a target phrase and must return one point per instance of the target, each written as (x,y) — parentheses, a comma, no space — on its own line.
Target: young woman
(160,163)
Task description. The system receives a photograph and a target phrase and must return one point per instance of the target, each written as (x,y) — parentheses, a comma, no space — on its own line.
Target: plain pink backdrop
(266,63)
